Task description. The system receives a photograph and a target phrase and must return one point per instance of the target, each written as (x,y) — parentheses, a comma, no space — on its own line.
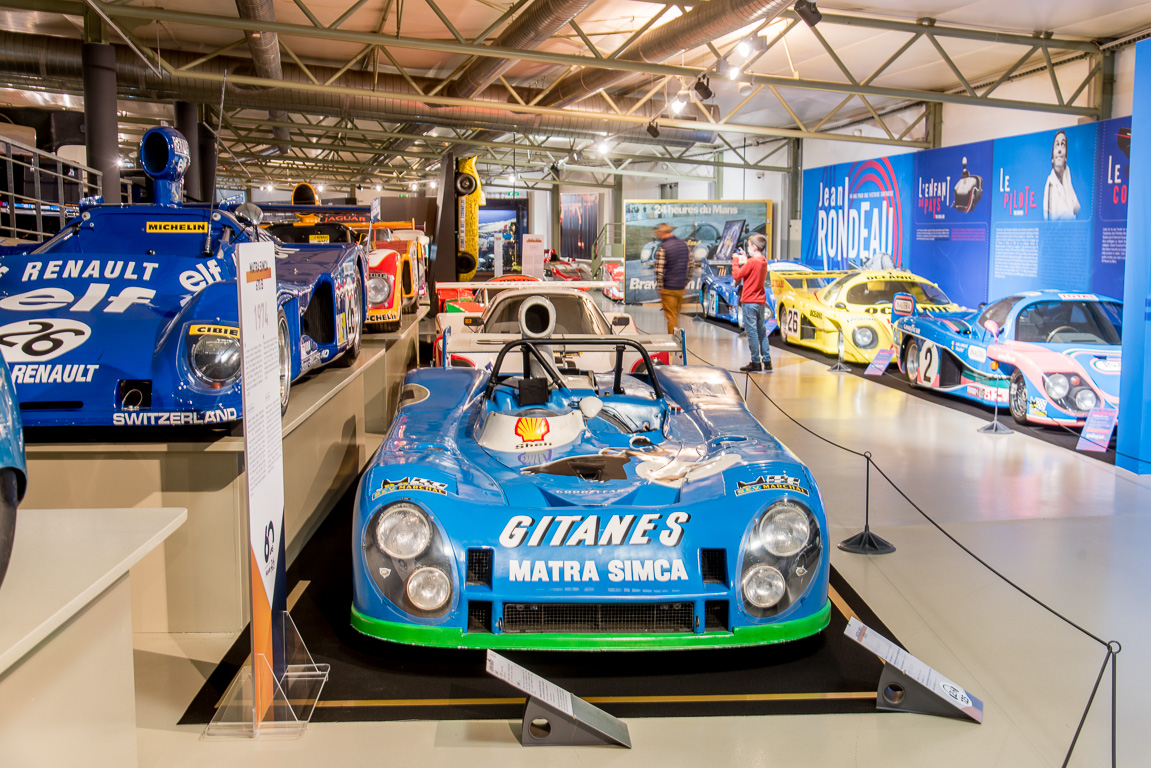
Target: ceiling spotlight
(703,87)
(733,72)
(379,187)
(744,88)
(512,177)
(680,101)
(603,147)
(413,186)
(653,130)
(750,45)
(577,156)
(432,183)
(806,10)
(320,188)
(743,47)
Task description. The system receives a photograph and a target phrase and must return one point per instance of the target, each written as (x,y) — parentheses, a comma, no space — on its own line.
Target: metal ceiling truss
(352,155)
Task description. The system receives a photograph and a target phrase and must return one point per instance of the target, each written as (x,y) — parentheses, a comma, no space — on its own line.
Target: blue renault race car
(565,509)
(1050,356)
(129,316)
(719,293)
(13,471)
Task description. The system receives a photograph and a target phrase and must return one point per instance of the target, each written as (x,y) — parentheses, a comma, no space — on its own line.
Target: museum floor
(1071,530)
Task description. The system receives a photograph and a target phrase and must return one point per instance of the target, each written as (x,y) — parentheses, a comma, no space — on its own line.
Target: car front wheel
(285,366)
(1018,397)
(8,502)
(911,362)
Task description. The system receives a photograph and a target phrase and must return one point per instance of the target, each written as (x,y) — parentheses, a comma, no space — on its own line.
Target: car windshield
(997,311)
(828,294)
(1070,322)
(873,292)
(574,314)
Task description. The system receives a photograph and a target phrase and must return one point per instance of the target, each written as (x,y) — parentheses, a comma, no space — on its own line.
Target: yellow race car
(859,303)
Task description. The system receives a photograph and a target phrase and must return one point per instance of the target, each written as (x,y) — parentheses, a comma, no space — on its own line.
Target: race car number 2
(34,341)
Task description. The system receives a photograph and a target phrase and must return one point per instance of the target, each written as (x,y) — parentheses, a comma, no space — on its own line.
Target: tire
(465,184)
(466,264)
(407,304)
(9,485)
(355,327)
(911,362)
(285,362)
(782,326)
(1017,397)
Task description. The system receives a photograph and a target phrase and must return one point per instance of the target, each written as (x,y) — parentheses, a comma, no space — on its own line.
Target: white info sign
(533,263)
(263,442)
(530,683)
(915,669)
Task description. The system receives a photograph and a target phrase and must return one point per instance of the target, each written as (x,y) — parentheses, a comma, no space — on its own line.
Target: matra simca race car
(858,303)
(129,315)
(13,470)
(1051,356)
(547,312)
(585,511)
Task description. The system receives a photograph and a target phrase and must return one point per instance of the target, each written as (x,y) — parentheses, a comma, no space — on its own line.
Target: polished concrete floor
(1070,530)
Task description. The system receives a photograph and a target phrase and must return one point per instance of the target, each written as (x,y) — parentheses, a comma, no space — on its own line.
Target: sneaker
(752,368)
(767,366)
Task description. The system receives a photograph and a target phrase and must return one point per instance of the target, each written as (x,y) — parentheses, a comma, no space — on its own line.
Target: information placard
(1096,434)
(529,682)
(915,669)
(534,256)
(880,362)
(263,461)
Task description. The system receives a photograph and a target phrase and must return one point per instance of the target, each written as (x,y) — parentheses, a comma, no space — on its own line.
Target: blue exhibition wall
(857,214)
(983,220)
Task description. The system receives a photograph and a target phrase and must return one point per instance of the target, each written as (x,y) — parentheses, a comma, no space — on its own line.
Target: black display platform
(372,679)
(1061,436)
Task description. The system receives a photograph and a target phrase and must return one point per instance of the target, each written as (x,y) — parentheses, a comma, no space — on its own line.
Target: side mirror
(992,328)
(474,321)
(840,305)
(590,406)
(249,213)
(620,321)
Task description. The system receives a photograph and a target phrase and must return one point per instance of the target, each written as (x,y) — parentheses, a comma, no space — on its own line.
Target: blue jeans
(754,323)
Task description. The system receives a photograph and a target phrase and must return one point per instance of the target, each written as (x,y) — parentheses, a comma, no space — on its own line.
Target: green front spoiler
(452,637)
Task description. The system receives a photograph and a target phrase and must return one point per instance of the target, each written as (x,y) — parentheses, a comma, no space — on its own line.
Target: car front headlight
(404,531)
(216,359)
(429,588)
(1057,386)
(379,289)
(784,530)
(864,337)
(700,252)
(1085,400)
(764,586)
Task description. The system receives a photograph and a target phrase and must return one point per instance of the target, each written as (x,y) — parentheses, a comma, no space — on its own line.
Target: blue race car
(566,509)
(129,315)
(1051,356)
(719,292)
(13,475)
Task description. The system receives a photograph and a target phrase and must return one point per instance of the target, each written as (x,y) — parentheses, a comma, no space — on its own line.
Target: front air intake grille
(479,571)
(713,566)
(580,618)
(479,616)
(715,615)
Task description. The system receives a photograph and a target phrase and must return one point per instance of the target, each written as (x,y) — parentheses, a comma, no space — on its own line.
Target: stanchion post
(865,542)
(996,427)
(840,367)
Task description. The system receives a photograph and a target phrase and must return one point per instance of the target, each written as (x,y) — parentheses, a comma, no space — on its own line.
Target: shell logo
(532,430)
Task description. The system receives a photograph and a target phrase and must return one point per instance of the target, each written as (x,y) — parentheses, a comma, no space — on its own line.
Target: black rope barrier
(1112,647)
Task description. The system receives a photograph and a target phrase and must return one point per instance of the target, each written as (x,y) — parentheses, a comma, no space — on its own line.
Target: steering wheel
(1056,332)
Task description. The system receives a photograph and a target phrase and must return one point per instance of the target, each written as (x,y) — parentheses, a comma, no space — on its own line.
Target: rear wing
(803,282)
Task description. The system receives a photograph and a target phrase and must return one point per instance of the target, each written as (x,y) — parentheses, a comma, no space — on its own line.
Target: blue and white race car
(1051,356)
(719,293)
(129,315)
(576,510)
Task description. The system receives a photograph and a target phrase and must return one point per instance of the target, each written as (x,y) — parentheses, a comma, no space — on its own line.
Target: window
(1069,322)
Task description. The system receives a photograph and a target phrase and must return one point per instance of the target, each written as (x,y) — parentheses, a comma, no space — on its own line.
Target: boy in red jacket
(753,299)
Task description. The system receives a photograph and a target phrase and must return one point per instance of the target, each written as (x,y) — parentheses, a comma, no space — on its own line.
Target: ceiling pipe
(32,60)
(265,50)
(528,30)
